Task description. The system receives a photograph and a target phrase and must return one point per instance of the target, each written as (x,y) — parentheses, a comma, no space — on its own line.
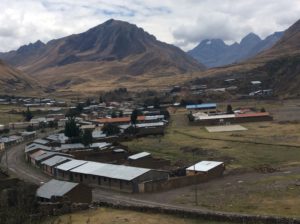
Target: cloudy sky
(180,22)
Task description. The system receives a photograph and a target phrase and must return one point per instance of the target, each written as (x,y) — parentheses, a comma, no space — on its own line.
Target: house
(41,141)
(63,171)
(140,159)
(117,120)
(58,138)
(28,135)
(70,147)
(49,164)
(100,145)
(38,157)
(11,140)
(210,168)
(32,148)
(63,191)
(203,106)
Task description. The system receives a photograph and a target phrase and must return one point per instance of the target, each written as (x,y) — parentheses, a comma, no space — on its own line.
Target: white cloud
(182,22)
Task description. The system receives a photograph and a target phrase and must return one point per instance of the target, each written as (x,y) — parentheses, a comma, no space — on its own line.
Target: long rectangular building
(117,177)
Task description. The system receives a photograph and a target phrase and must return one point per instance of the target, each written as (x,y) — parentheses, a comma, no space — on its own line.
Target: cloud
(182,22)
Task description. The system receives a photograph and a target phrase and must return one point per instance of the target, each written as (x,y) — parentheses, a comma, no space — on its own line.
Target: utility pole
(6,160)
(196,190)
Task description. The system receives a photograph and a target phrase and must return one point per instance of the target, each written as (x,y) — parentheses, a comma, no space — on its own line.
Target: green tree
(121,113)
(101,99)
(156,102)
(71,128)
(229,109)
(114,114)
(27,114)
(134,116)
(88,102)
(165,113)
(110,129)
(87,137)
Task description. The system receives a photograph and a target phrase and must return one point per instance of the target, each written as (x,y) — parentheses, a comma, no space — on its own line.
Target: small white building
(214,168)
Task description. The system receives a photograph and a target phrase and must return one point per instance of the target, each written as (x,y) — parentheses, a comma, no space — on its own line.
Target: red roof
(261,114)
(118,120)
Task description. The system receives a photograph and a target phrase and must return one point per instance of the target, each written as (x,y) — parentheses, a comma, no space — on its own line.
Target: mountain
(13,81)
(113,53)
(278,67)
(214,52)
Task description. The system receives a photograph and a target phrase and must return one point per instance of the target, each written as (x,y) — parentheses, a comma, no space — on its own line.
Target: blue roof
(202,106)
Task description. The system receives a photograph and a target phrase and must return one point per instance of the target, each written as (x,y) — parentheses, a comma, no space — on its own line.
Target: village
(87,147)
(82,149)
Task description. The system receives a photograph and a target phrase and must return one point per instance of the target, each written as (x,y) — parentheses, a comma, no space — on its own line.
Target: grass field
(273,194)
(6,116)
(111,216)
(280,144)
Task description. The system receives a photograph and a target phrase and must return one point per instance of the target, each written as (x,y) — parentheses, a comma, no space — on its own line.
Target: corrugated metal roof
(204,166)
(202,106)
(139,155)
(88,167)
(34,146)
(261,114)
(55,160)
(100,145)
(45,155)
(70,165)
(111,171)
(55,188)
(223,116)
(41,141)
(36,154)
(118,119)
(143,125)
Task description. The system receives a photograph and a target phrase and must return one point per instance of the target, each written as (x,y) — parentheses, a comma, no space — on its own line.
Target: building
(34,147)
(62,171)
(62,191)
(28,135)
(49,164)
(41,141)
(70,147)
(210,168)
(203,107)
(109,176)
(11,140)
(38,157)
(117,120)
(58,138)
(219,119)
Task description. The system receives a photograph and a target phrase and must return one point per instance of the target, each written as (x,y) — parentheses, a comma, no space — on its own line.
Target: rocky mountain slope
(13,81)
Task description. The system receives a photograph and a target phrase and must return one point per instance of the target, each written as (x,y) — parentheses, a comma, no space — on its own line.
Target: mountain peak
(250,39)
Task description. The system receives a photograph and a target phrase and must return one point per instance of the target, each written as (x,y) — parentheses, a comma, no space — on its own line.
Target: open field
(275,143)
(112,216)
(6,116)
